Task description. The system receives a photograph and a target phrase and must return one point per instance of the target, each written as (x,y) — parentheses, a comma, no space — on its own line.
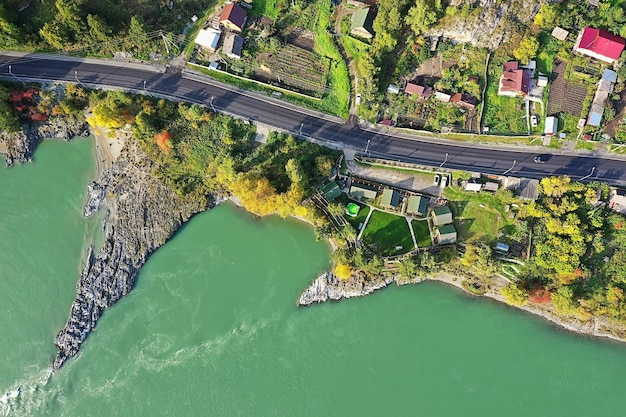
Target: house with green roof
(331,191)
(390,198)
(363,23)
(445,234)
(442,215)
(417,205)
(361,191)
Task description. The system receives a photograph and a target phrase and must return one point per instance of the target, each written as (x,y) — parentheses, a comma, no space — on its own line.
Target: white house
(208,38)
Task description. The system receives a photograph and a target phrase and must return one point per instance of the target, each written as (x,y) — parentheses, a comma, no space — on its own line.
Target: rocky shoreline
(327,287)
(142,214)
(21,145)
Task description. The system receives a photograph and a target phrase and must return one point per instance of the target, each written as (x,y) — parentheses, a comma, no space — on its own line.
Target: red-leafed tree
(539,295)
(163,141)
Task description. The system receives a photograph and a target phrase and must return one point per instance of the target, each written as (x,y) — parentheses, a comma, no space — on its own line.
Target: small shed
(542,81)
(560,33)
(501,247)
(393,89)
(446,234)
(491,186)
(208,38)
(442,96)
(610,75)
(417,204)
(390,198)
(552,125)
(473,186)
(363,23)
(442,215)
(331,191)
(363,191)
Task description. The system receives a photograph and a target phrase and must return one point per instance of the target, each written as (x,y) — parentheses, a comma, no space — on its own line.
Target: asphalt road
(327,129)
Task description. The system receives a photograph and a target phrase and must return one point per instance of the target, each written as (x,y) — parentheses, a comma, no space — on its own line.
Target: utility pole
(301,124)
(508,170)
(367,146)
(211,103)
(590,174)
(444,161)
(15,76)
(144,86)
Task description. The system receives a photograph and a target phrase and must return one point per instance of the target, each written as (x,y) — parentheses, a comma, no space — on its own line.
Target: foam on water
(29,394)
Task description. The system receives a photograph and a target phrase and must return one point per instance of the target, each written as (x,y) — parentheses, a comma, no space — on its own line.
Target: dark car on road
(543,158)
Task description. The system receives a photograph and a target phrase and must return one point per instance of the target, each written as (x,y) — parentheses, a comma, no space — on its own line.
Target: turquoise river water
(212,329)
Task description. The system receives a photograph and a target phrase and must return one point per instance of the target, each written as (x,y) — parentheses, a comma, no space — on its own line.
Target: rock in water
(143,213)
(328,287)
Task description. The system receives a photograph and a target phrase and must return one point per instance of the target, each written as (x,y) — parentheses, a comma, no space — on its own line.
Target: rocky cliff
(21,145)
(328,287)
(485,23)
(142,214)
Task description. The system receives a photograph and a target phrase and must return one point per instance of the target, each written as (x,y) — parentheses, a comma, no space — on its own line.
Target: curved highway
(308,123)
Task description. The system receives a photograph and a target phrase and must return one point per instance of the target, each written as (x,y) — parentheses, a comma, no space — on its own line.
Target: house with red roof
(599,44)
(423,91)
(233,17)
(464,100)
(515,81)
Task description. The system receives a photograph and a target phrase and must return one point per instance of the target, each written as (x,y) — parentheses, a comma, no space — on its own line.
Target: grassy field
(385,231)
(502,114)
(338,97)
(267,8)
(583,144)
(479,217)
(355,48)
(422,234)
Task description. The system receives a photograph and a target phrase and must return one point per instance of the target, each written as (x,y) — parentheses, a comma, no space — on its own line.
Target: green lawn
(385,231)
(475,222)
(422,234)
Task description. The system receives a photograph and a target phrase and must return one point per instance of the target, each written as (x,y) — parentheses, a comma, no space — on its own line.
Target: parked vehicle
(533,120)
(436,180)
(444,181)
(543,158)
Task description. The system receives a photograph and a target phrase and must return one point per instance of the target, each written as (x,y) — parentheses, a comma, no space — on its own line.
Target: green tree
(526,50)
(423,15)
(515,295)
(69,13)
(99,31)
(336,209)
(408,268)
(563,300)
(9,33)
(53,34)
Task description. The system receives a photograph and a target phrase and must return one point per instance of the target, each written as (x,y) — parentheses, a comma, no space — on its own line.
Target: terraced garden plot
(294,68)
(565,96)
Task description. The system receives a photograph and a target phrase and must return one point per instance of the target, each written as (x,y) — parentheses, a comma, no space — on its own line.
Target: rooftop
(601,42)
